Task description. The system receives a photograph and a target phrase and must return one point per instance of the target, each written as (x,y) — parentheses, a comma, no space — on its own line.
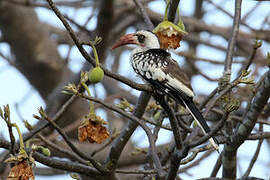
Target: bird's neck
(139,50)
(145,48)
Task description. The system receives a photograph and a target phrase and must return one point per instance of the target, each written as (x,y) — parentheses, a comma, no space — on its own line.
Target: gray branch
(244,130)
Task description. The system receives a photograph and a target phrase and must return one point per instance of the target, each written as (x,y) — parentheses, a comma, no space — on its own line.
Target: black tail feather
(187,101)
(194,111)
(197,115)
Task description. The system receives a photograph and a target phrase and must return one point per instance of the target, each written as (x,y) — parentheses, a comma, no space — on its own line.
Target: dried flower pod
(82,132)
(170,34)
(21,171)
(92,129)
(23,167)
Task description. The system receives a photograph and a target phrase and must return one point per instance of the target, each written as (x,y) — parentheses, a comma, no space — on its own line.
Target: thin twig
(209,97)
(12,138)
(66,165)
(196,162)
(173,9)
(59,164)
(158,126)
(251,11)
(88,58)
(257,105)
(96,164)
(211,133)
(70,31)
(172,118)
(175,158)
(222,93)
(167,127)
(64,151)
(227,13)
(255,156)
(55,118)
(232,42)
(232,84)
(244,130)
(195,153)
(217,166)
(262,135)
(135,172)
(183,125)
(148,132)
(114,135)
(126,133)
(29,3)
(144,14)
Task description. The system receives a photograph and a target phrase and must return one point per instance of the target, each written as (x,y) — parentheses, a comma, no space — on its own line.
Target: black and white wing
(158,68)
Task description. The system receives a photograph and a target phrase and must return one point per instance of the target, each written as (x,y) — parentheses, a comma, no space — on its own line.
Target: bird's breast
(148,65)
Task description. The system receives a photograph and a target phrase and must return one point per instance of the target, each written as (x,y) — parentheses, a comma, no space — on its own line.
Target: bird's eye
(141,38)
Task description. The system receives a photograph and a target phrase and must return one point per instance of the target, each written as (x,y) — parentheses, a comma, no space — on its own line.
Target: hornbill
(157,67)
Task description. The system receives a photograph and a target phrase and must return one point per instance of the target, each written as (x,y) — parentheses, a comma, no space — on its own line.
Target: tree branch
(172,10)
(232,42)
(144,14)
(244,130)
(255,156)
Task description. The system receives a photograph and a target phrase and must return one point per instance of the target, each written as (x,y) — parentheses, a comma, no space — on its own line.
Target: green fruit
(96,75)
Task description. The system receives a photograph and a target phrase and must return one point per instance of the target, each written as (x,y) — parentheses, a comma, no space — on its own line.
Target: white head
(144,39)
